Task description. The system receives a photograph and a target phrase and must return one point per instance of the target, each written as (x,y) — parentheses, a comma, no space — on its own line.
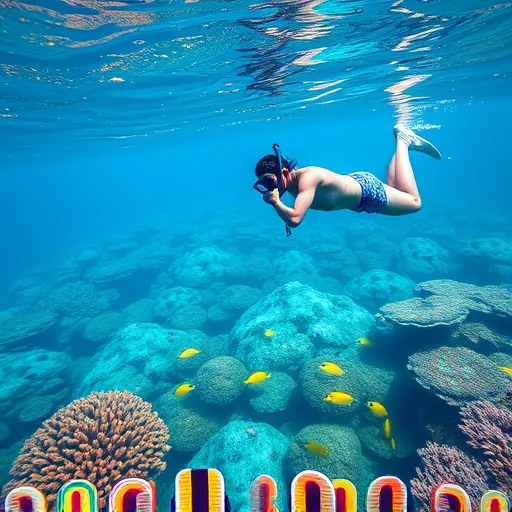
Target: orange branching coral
(102,438)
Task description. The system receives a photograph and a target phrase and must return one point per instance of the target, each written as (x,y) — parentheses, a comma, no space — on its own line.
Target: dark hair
(267,165)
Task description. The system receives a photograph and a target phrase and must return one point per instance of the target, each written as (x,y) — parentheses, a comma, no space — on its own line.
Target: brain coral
(303,319)
(101,438)
(220,381)
(378,287)
(206,264)
(458,375)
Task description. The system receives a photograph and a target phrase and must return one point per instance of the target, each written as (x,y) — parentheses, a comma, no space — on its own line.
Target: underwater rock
(242,451)
(205,265)
(79,300)
(144,359)
(190,429)
(375,252)
(34,383)
(188,318)
(141,311)
(300,319)
(217,314)
(220,381)
(421,258)
(378,287)
(100,328)
(273,394)
(110,271)
(18,326)
(238,297)
(430,312)
(150,257)
(459,375)
(344,459)
(30,297)
(487,251)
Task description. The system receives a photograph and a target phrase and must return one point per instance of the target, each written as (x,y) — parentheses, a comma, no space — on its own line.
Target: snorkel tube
(271,181)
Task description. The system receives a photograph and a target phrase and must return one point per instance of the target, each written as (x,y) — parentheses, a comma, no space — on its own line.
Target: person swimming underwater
(321,189)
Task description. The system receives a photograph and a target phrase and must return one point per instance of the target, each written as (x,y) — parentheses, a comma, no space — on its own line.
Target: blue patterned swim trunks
(373,197)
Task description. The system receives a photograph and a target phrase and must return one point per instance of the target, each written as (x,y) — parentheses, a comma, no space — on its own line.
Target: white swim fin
(415,142)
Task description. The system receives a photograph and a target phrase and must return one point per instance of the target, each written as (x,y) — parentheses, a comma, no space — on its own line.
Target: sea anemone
(101,438)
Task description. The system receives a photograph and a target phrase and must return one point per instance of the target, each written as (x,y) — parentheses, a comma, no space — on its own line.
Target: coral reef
(274,394)
(303,319)
(458,375)
(18,326)
(441,463)
(489,430)
(100,328)
(142,311)
(378,287)
(34,383)
(221,380)
(101,438)
(242,451)
(190,429)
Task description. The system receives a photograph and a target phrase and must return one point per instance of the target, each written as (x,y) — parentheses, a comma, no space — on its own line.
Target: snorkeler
(322,189)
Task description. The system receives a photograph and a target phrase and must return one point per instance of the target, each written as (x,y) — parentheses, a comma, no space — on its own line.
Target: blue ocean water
(131,232)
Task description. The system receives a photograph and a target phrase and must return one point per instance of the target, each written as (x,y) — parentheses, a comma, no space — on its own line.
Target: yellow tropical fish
(365,342)
(316,448)
(393,444)
(507,370)
(339,398)
(257,377)
(377,408)
(184,389)
(269,333)
(387,428)
(331,368)
(189,352)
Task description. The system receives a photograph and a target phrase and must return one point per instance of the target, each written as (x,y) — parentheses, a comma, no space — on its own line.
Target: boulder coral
(378,287)
(420,258)
(220,381)
(274,394)
(100,328)
(344,458)
(19,326)
(302,320)
(144,359)
(101,438)
(36,381)
(205,265)
(458,375)
(242,451)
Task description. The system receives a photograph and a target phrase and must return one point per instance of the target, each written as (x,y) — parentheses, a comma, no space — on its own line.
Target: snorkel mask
(271,181)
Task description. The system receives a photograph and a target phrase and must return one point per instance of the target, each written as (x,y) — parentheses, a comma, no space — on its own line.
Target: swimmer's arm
(293,216)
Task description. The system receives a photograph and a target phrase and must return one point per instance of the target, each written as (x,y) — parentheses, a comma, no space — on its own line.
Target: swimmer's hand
(271,197)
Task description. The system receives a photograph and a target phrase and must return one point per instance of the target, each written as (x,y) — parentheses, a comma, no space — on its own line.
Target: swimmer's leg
(402,191)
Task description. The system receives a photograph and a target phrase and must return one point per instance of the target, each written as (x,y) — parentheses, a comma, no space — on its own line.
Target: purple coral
(489,430)
(441,463)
